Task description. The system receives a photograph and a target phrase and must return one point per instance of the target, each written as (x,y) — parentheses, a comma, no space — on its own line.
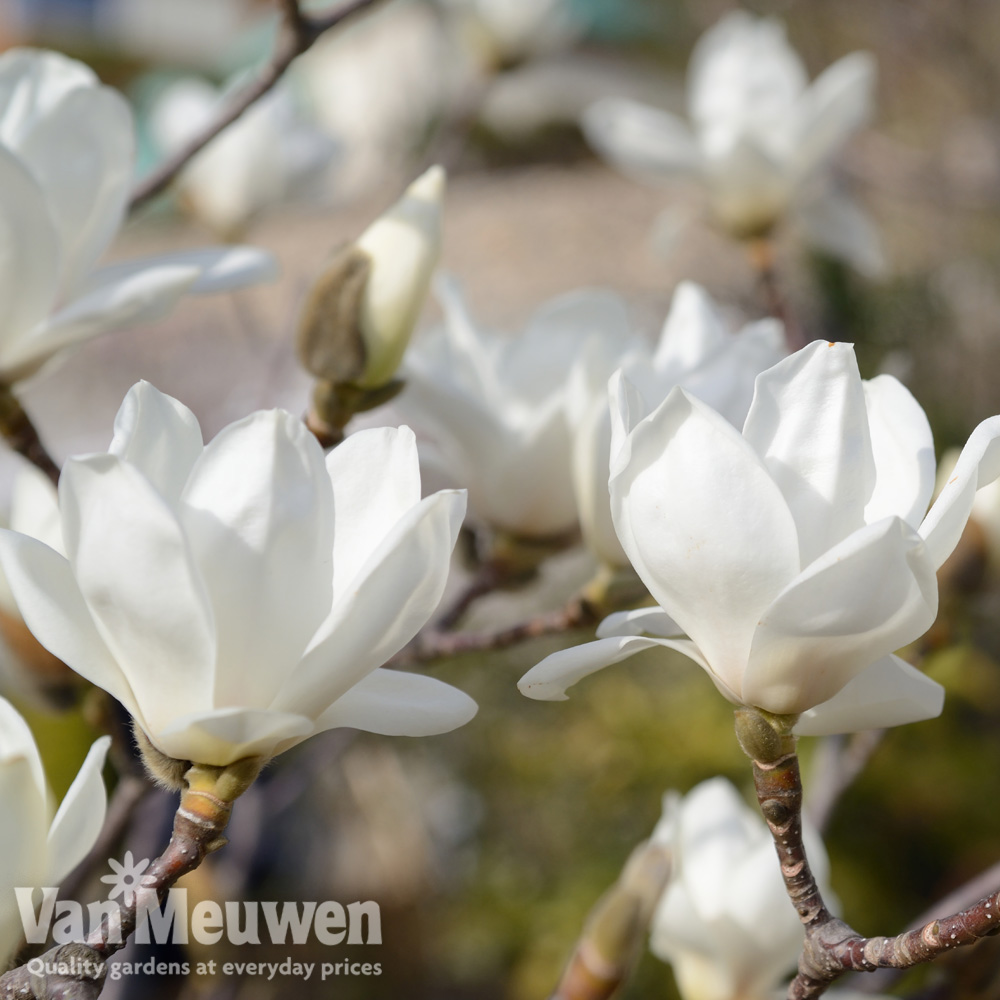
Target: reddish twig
(300,32)
(21,435)
(762,258)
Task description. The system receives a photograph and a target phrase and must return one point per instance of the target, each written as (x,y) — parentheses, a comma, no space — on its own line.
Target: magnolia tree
(747,498)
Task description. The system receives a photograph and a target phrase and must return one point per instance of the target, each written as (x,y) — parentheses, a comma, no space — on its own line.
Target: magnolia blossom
(697,350)
(761,137)
(267,156)
(39,848)
(238,597)
(496,406)
(725,922)
(796,557)
(66,162)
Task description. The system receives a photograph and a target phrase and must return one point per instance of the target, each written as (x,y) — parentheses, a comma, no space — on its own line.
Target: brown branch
(21,435)
(832,947)
(437,645)
(300,32)
(761,253)
(199,827)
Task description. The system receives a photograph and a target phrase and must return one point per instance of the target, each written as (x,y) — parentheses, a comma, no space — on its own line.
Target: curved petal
(548,680)
(692,333)
(138,298)
(376,480)
(219,269)
(637,137)
(888,693)
(34,507)
(641,621)
(391,599)
(23,823)
(29,259)
(977,466)
(258,513)
(221,736)
(837,103)
(82,153)
(749,188)
(903,448)
(866,597)
(17,742)
(836,224)
(809,424)
(691,507)
(53,608)
(80,817)
(394,703)
(159,436)
(134,569)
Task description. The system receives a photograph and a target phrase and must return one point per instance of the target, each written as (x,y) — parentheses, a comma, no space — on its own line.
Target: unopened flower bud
(359,317)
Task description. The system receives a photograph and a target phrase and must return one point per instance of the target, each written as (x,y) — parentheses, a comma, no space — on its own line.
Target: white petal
(838,103)
(903,447)
(158,435)
(219,269)
(22,830)
(80,817)
(549,679)
(29,259)
(809,424)
(394,703)
(17,742)
(391,599)
(888,693)
(376,480)
(104,304)
(693,332)
(638,137)
(866,597)
(641,621)
(221,736)
(977,466)
(34,507)
(749,189)
(53,608)
(691,507)
(134,568)
(836,224)
(82,154)
(258,512)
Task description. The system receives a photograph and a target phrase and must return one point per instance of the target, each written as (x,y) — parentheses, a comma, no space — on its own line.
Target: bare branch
(300,32)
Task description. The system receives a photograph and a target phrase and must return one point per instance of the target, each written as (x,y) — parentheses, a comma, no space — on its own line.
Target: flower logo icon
(126,878)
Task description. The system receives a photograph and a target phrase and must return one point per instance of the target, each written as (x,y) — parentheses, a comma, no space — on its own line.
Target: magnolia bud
(403,246)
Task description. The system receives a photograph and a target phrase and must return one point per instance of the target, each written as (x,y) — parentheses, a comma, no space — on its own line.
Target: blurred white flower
(497,406)
(696,350)
(725,922)
(404,246)
(796,557)
(66,159)
(269,155)
(238,597)
(38,848)
(761,137)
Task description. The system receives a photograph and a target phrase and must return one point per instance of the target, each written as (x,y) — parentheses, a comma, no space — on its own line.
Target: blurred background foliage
(487,847)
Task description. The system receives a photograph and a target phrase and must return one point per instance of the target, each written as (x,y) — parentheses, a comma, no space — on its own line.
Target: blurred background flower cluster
(486,847)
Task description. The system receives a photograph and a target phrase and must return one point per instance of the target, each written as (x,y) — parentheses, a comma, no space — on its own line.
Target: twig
(20,433)
(300,32)
(761,253)
(79,968)
(831,946)
(437,645)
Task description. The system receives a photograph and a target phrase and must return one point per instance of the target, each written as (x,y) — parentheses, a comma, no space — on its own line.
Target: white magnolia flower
(404,246)
(496,405)
(725,922)
(796,557)
(66,160)
(267,156)
(696,350)
(38,848)
(761,137)
(238,597)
